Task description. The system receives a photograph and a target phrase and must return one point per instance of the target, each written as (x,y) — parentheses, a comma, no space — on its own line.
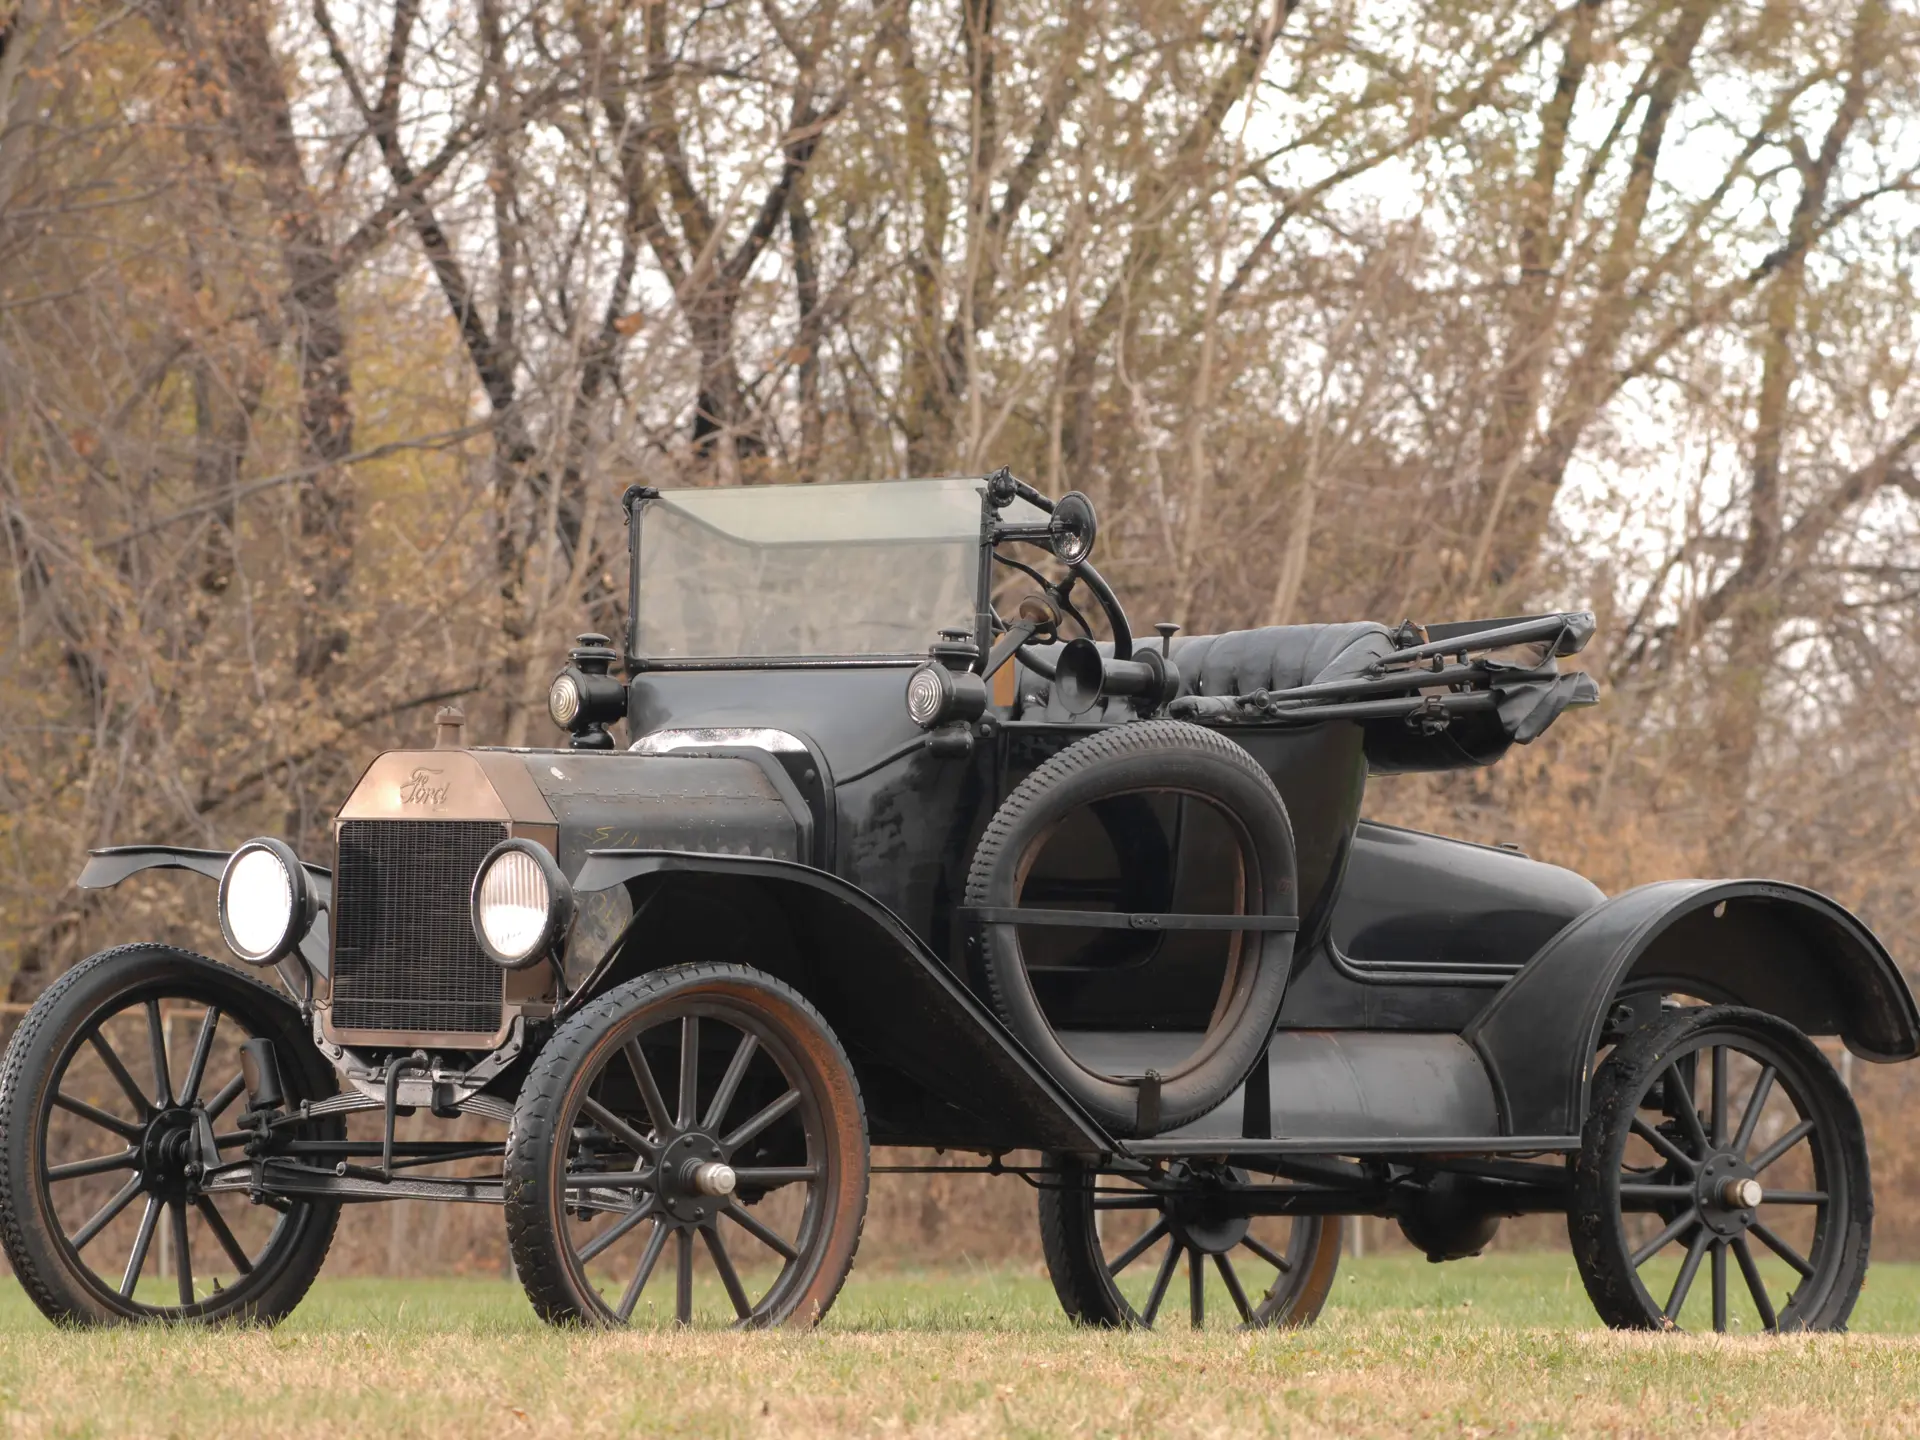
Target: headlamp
(266,901)
(521,904)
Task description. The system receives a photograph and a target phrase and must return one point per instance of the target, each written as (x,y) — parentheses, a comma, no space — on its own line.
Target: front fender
(1780,948)
(107,867)
(884,993)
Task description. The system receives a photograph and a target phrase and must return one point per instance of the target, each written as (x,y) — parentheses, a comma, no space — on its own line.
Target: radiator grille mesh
(404,954)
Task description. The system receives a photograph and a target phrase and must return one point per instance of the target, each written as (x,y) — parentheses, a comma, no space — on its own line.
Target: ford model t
(893,851)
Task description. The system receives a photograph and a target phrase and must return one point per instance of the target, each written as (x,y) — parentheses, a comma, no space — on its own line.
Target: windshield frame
(640,498)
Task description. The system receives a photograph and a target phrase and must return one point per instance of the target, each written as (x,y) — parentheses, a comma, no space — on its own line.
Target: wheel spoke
(103,1217)
(1795,1197)
(1720,1124)
(760,1121)
(1232,1280)
(182,1251)
(1780,1247)
(736,1292)
(613,1233)
(619,1129)
(97,1166)
(1266,1253)
(683,1268)
(1756,1102)
(650,1257)
(98,1116)
(202,1052)
(157,1041)
(109,1057)
(1677,1227)
(1756,1287)
(1630,1190)
(1720,1282)
(218,1102)
(749,1223)
(1781,1146)
(689,1096)
(656,1103)
(730,1082)
(1689,1267)
(770,1176)
(1160,1283)
(217,1223)
(1197,1286)
(1154,1234)
(137,1259)
(1689,1115)
(1663,1144)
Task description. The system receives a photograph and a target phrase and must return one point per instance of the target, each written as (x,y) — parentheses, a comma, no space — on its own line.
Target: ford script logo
(425,788)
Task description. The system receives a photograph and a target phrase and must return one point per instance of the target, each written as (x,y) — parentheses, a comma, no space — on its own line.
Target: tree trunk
(263,122)
(1529,329)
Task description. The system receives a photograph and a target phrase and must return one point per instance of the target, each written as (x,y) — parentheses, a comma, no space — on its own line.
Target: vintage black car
(894,852)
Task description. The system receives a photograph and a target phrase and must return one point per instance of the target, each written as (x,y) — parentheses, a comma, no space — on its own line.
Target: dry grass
(1499,1346)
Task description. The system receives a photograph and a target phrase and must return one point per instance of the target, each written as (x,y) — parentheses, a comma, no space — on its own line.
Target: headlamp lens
(259,903)
(514,904)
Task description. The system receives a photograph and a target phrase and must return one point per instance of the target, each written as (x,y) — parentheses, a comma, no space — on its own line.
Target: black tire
(1693,1116)
(1198,1223)
(1146,757)
(588,1101)
(118,995)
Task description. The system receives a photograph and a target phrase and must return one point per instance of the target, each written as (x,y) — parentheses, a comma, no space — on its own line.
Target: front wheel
(1115,1245)
(1720,1137)
(705,1109)
(117,1126)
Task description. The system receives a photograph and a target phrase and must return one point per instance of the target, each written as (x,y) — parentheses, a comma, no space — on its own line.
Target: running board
(1448,1145)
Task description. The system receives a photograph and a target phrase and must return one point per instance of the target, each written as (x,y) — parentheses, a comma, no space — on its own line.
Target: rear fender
(107,867)
(1779,948)
(897,1009)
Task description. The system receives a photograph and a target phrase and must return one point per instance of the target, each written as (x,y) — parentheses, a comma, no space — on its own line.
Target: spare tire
(1145,757)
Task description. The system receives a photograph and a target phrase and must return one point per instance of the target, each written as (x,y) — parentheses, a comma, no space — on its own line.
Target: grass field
(1499,1346)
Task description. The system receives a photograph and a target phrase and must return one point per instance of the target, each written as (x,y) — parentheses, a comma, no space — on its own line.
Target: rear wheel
(1721,1140)
(1123,1253)
(700,1124)
(117,1116)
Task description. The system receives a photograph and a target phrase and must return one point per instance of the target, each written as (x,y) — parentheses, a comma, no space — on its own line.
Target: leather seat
(1277,657)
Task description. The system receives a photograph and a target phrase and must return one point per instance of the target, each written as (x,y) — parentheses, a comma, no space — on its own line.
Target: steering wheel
(1039,617)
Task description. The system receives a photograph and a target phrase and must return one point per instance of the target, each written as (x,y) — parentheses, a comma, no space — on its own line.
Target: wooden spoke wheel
(699,1127)
(1123,1253)
(1721,1148)
(117,1116)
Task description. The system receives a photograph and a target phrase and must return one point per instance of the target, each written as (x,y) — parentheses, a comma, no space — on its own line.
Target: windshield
(876,568)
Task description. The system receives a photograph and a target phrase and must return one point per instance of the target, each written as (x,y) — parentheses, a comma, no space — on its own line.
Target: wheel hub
(1727,1193)
(1205,1219)
(694,1180)
(169,1152)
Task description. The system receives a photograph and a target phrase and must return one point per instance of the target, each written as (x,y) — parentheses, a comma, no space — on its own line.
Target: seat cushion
(1277,657)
